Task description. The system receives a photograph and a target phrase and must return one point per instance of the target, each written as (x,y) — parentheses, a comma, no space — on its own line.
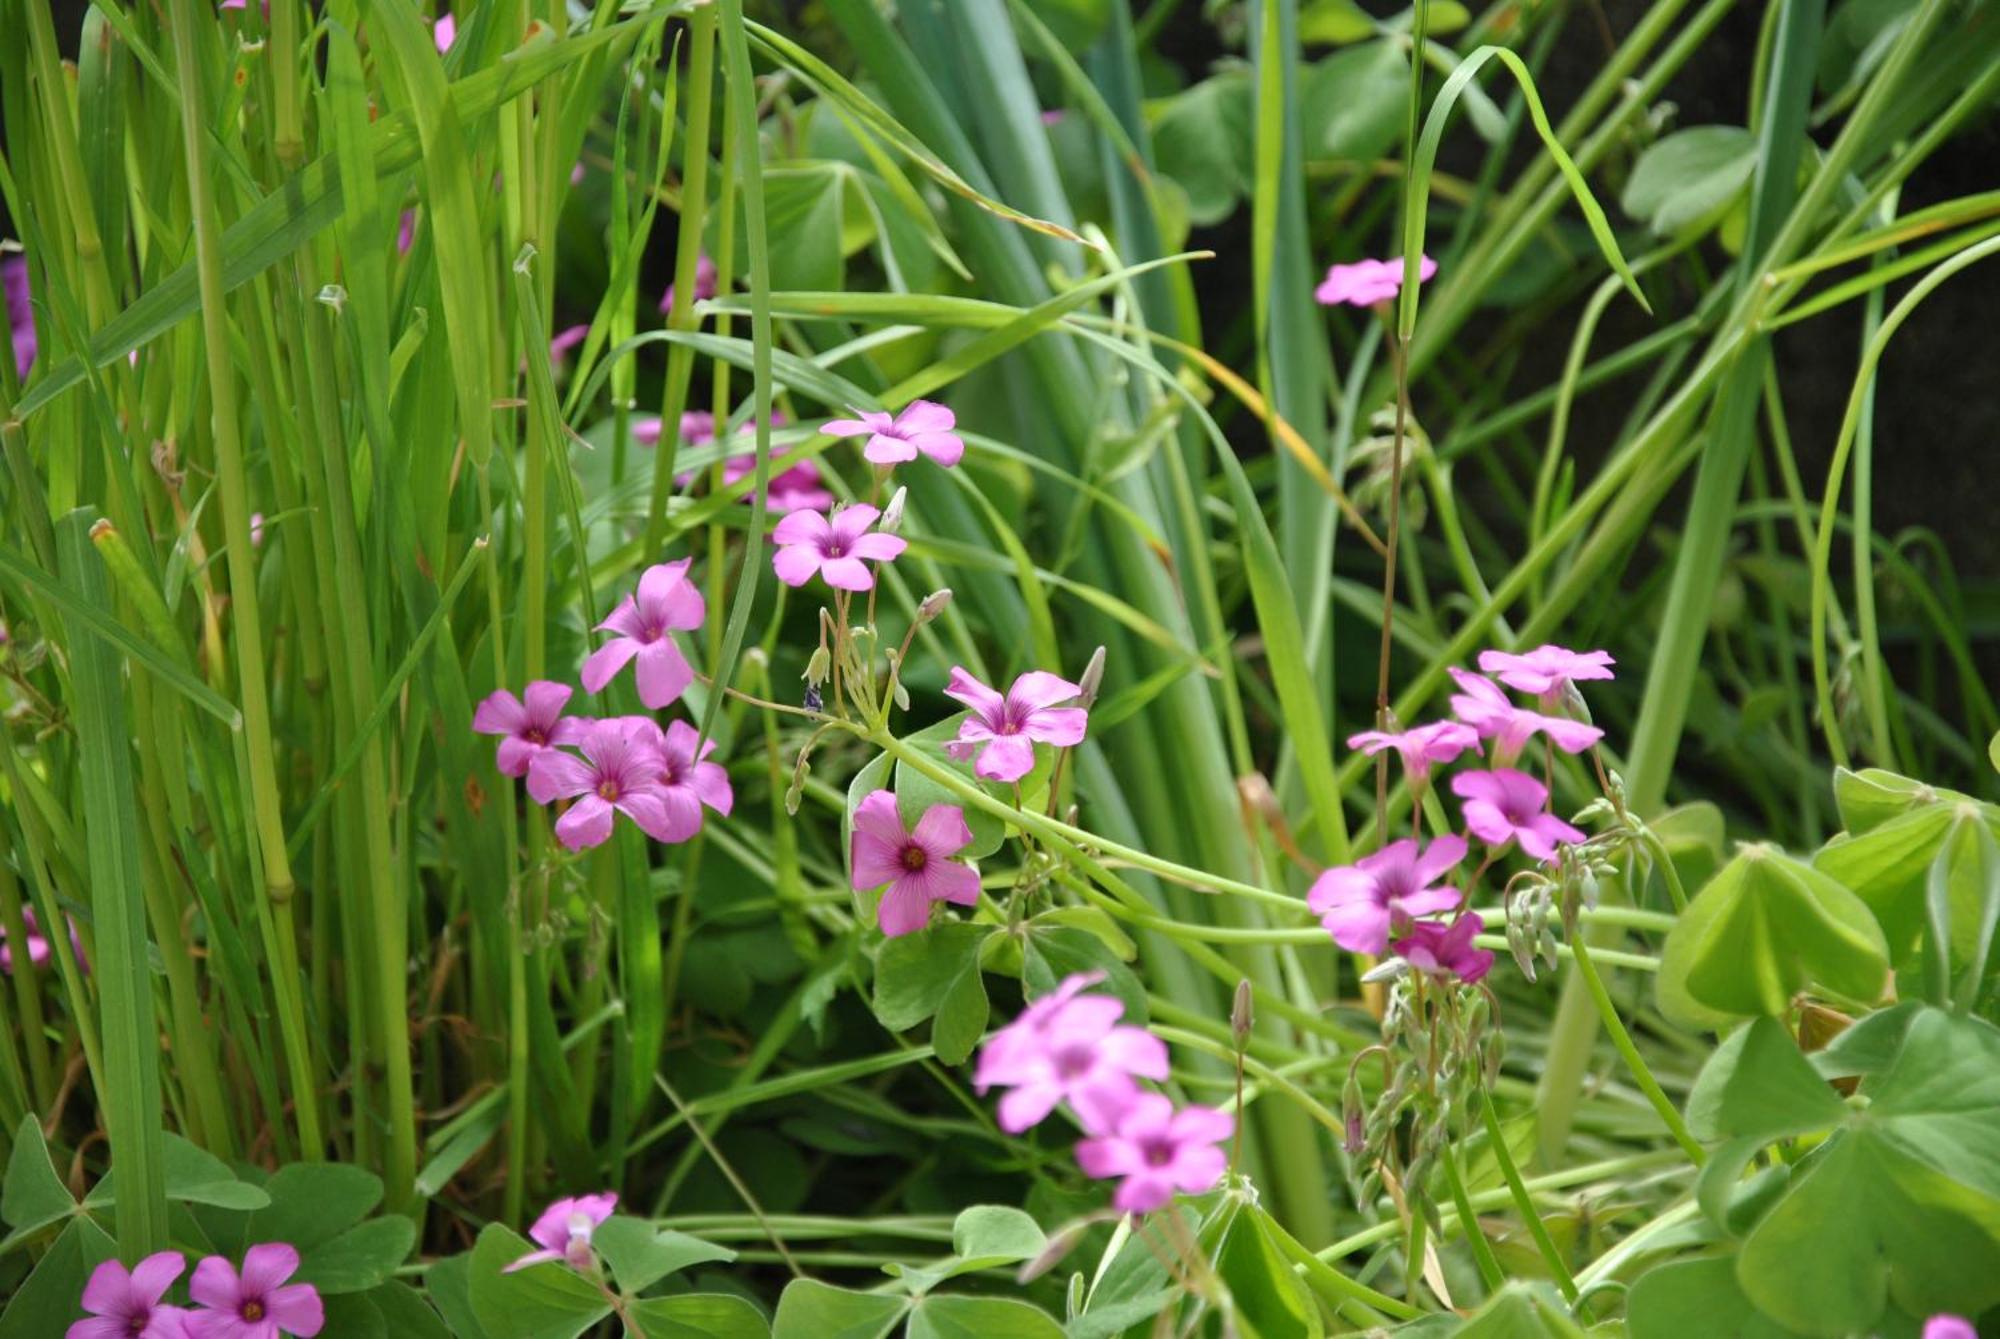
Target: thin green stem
(259,750)
(1607,1011)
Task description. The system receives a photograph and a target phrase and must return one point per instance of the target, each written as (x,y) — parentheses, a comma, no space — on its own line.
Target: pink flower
(1420,745)
(1076,1053)
(1439,950)
(666,602)
(689,782)
(798,488)
(915,864)
(1030,1028)
(705,277)
(564,1230)
(620,769)
(697,426)
(1006,726)
(256,529)
(1545,670)
(1504,805)
(1157,1151)
(254,1305)
(1367,282)
(39,947)
(445,32)
(530,726)
(788,489)
(1944,1325)
(810,543)
(1360,903)
(20,311)
(922,426)
(406,232)
(566,339)
(1483,706)
(126,1305)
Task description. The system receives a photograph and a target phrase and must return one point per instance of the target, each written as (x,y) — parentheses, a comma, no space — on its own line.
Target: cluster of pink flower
(1379,901)
(839,548)
(914,864)
(629,765)
(1070,1047)
(255,1304)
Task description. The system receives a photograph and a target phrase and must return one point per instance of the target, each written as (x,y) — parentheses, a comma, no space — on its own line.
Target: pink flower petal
(711,786)
(1007,758)
(1039,688)
(214,1284)
(942,831)
(603,664)
(514,756)
(921,416)
(802,527)
(545,699)
(847,574)
(944,448)
(501,713)
(664,674)
(532,1258)
(267,1265)
(796,564)
(904,909)
(296,1309)
(654,813)
(886,450)
(949,881)
(962,687)
(553,775)
(1358,927)
(877,547)
(109,1289)
(1061,726)
(585,823)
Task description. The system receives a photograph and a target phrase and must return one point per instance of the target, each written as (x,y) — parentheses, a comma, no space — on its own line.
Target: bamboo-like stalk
(275,906)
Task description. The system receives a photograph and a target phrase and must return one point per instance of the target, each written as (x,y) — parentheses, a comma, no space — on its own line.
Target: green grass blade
(132,1104)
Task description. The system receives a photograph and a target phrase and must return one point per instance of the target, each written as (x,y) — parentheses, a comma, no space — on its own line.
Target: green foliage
(1690,178)
(1896,1204)
(333,961)
(1764,928)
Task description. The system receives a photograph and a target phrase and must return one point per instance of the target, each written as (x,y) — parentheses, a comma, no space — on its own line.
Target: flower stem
(1635,1062)
(1468,1221)
(1522,1201)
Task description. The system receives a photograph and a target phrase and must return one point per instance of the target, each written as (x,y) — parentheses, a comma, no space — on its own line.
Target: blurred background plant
(294,477)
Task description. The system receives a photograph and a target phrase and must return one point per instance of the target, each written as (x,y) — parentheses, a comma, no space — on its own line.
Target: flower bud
(1093,678)
(934,603)
(818,667)
(1240,1014)
(892,515)
(798,786)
